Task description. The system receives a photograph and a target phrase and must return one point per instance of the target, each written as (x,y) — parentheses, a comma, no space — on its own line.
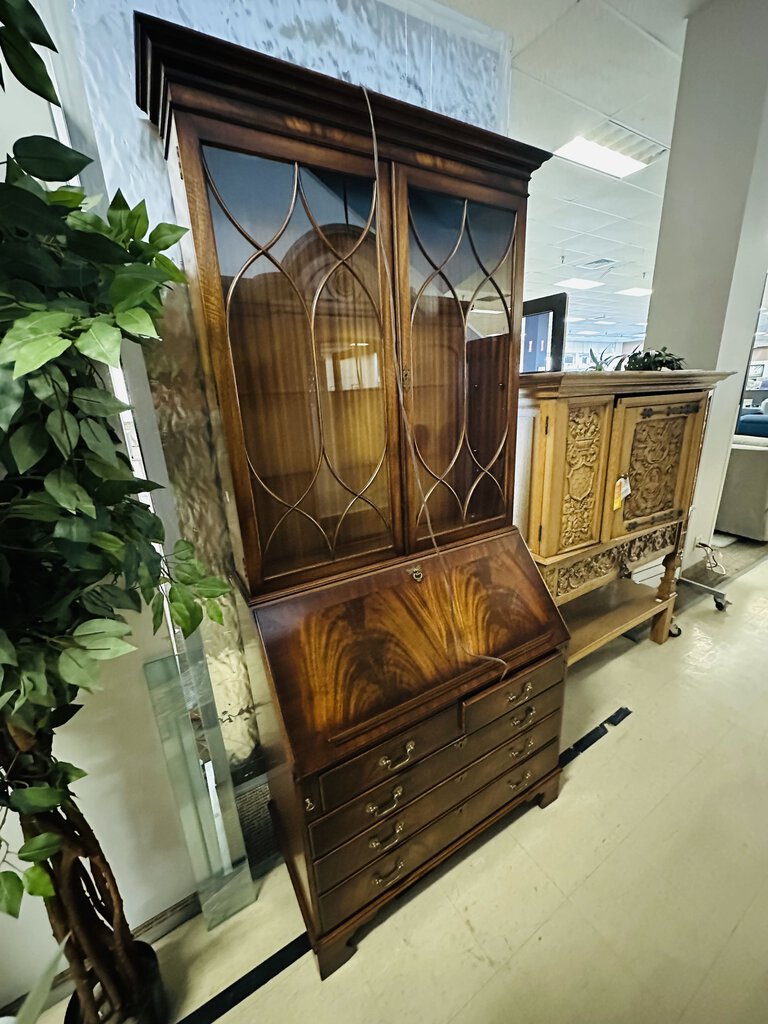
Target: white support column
(713,244)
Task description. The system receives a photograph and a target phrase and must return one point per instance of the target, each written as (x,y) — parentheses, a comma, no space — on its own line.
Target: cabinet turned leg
(661,625)
(550,792)
(333,954)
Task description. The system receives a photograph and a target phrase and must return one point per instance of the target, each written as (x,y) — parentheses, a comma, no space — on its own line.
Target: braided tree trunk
(87,908)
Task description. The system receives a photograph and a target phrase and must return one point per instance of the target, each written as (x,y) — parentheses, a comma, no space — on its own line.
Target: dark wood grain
(348,655)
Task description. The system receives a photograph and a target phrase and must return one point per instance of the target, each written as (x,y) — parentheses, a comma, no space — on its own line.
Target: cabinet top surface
(619,382)
(355,660)
(173,59)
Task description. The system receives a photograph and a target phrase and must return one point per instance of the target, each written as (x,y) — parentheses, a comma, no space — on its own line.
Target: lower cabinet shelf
(602,615)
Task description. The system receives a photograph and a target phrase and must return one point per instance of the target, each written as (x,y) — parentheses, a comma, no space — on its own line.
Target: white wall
(127,795)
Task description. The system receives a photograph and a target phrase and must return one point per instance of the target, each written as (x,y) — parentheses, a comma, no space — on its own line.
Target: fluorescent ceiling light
(644,323)
(599,158)
(584,333)
(574,319)
(580,283)
(606,323)
(635,291)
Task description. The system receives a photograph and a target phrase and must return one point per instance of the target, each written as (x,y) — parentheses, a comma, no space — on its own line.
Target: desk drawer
(392,870)
(354,817)
(497,700)
(388,759)
(398,828)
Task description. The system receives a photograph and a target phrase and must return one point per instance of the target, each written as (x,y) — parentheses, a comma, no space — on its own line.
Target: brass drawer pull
(526,777)
(385,762)
(394,839)
(527,690)
(521,750)
(526,717)
(379,812)
(384,881)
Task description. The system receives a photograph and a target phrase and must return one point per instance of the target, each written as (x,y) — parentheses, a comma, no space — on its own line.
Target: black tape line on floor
(239,990)
(593,736)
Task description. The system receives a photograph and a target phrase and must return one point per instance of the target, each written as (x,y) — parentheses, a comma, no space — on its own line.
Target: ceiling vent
(601,264)
(623,140)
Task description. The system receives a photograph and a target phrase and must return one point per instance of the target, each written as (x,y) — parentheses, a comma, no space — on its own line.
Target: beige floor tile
(298,996)
(525,895)
(565,974)
(197,963)
(735,989)
(423,960)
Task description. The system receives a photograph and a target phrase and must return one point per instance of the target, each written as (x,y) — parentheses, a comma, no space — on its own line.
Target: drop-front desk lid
(355,660)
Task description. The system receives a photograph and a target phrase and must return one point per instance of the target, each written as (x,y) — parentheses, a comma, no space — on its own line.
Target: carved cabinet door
(654,451)
(574,439)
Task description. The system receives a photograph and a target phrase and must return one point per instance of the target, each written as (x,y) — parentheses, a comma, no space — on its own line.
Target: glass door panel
(460,268)
(297,251)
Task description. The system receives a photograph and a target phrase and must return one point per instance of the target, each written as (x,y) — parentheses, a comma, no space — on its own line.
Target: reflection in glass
(299,263)
(461,280)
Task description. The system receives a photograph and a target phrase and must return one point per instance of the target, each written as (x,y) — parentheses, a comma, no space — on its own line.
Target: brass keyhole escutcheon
(416,573)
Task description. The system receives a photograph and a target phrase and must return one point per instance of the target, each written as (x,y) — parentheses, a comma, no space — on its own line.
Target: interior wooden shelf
(600,616)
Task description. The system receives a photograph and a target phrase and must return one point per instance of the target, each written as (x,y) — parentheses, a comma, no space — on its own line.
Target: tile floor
(639,897)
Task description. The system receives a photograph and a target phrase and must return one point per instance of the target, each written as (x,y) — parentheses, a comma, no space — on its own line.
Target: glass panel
(461,281)
(299,263)
(190,733)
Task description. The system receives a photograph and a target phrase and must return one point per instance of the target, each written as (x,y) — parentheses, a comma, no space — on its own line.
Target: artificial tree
(79,544)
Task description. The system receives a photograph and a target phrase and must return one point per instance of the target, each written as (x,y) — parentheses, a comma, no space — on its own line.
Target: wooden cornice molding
(177,67)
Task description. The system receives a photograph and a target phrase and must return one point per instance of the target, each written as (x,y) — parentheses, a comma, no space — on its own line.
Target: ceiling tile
(663,19)
(598,58)
(653,115)
(543,117)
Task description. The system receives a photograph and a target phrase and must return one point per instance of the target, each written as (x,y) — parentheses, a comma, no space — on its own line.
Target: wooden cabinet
(583,436)
(357,275)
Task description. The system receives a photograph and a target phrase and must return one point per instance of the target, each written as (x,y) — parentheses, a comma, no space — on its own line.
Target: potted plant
(640,359)
(79,546)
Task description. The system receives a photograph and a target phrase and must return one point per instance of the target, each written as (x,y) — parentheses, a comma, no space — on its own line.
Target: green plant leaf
(67,492)
(137,321)
(63,428)
(50,387)
(158,605)
(98,402)
(97,248)
(26,65)
(118,213)
(48,159)
(40,847)
(36,798)
(70,771)
(75,529)
(134,284)
(108,542)
(38,882)
(117,469)
(165,235)
(137,222)
(78,668)
(185,611)
(96,627)
(211,586)
(33,340)
(183,550)
(11,396)
(101,342)
(213,609)
(11,893)
(7,650)
(27,22)
(67,195)
(119,598)
(172,272)
(96,437)
(101,638)
(28,445)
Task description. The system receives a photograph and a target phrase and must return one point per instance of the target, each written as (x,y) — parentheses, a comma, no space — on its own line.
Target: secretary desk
(356,264)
